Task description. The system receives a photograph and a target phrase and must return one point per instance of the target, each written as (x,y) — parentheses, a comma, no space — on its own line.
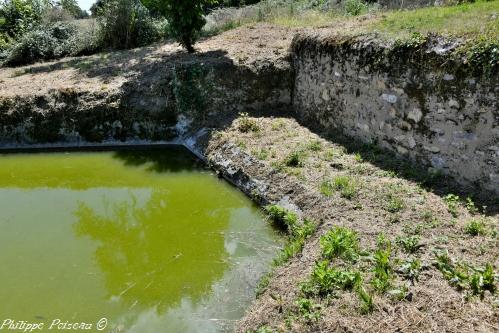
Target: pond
(129,241)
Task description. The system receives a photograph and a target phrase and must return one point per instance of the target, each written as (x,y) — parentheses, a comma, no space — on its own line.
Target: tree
(185,18)
(72,7)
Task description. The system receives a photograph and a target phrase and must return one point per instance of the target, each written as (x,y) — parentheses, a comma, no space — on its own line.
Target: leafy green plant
(367,303)
(409,244)
(475,227)
(470,206)
(410,269)
(452,202)
(282,217)
(394,203)
(299,233)
(344,184)
(340,242)
(355,7)
(483,280)
(308,309)
(326,280)
(382,266)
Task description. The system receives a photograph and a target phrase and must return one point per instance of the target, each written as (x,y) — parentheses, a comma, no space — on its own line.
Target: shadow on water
(173,159)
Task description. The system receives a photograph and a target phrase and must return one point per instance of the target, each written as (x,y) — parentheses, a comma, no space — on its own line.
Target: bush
(355,7)
(127,24)
(45,43)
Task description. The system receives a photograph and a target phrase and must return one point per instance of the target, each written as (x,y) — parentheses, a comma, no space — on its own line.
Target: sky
(85,4)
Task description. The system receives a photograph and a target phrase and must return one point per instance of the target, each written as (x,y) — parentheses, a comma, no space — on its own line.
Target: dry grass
(418,296)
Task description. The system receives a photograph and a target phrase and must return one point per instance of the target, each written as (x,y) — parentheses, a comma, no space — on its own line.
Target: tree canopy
(185,18)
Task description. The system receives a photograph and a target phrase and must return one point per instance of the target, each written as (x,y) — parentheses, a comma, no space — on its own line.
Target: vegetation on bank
(385,247)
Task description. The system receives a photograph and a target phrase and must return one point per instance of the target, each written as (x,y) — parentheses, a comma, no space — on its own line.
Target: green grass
(345,185)
(295,159)
(466,20)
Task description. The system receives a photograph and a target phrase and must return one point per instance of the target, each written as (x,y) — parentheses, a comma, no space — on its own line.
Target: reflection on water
(147,239)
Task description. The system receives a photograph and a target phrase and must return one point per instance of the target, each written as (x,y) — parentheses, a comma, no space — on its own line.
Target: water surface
(149,240)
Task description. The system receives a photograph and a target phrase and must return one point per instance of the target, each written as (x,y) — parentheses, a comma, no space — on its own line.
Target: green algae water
(128,241)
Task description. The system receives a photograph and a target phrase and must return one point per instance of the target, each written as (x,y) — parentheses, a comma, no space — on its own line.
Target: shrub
(185,18)
(127,24)
(355,7)
(47,42)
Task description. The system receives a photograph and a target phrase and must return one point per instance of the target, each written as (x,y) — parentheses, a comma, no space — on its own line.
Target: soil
(251,46)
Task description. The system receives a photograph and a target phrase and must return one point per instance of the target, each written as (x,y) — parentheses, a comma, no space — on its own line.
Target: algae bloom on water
(149,240)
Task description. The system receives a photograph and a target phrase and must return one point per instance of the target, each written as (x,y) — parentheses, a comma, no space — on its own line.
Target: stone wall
(413,101)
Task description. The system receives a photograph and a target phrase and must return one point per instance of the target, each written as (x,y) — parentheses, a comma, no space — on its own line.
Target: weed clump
(343,184)
(475,227)
(281,217)
(246,124)
(295,159)
(382,266)
(340,242)
(409,244)
(326,280)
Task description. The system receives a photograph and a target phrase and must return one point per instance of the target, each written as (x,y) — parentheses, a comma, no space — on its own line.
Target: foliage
(326,280)
(18,17)
(185,18)
(295,159)
(452,202)
(344,184)
(409,244)
(71,6)
(308,309)
(475,227)
(298,236)
(382,266)
(464,277)
(355,7)
(127,24)
(367,303)
(281,217)
(47,42)
(340,242)
(411,269)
